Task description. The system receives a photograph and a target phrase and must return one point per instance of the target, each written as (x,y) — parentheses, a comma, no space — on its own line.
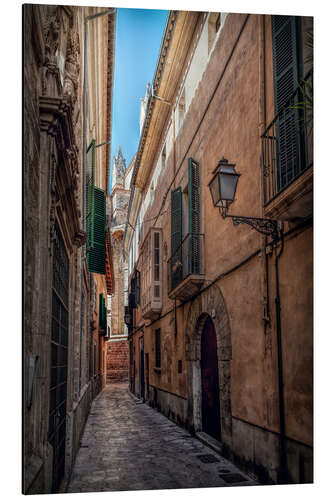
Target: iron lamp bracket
(267,227)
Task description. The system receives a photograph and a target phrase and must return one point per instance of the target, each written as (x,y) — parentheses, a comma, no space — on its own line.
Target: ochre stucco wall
(224,119)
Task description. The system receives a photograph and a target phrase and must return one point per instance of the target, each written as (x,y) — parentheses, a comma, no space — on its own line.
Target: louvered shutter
(176,237)
(90,180)
(286,78)
(194,216)
(96,254)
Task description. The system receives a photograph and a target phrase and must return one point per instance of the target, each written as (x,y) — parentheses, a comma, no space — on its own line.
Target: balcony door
(211,418)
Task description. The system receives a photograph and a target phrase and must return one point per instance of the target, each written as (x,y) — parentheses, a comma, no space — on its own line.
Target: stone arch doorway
(209,306)
(210,394)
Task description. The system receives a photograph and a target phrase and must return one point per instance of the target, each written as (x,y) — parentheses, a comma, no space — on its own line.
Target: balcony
(151,302)
(287,160)
(186,268)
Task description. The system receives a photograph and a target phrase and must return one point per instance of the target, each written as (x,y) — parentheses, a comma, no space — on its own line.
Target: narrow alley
(168,249)
(127,445)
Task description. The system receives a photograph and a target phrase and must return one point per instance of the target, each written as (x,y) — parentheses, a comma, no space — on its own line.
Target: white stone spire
(119,169)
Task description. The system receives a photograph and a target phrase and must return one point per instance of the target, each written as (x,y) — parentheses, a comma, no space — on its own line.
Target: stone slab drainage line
(84,160)
(204,113)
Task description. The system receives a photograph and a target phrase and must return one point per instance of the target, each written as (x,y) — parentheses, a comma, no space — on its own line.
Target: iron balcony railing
(287,143)
(187,259)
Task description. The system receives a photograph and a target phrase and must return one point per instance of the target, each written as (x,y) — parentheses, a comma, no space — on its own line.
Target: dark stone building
(60,367)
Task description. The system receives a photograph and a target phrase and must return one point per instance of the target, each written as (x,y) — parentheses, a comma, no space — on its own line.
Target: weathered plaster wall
(225,119)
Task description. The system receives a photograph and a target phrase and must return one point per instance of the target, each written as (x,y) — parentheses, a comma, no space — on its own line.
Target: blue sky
(138,38)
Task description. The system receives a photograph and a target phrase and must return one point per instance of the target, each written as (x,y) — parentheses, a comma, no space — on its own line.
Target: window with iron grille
(158,348)
(59,357)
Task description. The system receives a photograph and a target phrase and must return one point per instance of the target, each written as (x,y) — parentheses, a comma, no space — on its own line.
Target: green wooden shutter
(194,216)
(96,254)
(176,237)
(90,180)
(286,79)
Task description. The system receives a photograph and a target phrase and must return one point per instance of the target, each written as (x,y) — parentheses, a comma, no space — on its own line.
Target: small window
(95,359)
(218,22)
(95,296)
(158,348)
(152,192)
(131,352)
(163,157)
(214,23)
(181,108)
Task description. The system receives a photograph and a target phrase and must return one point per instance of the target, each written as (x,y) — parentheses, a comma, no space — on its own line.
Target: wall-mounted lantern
(223,189)
(224,183)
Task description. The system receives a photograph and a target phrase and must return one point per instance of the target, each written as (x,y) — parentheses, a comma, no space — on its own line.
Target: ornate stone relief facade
(72,65)
(51,31)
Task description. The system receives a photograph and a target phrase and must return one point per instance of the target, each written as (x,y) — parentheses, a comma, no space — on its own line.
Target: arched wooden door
(211,420)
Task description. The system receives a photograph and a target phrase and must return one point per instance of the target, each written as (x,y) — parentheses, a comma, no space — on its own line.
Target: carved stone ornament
(72,66)
(56,122)
(53,166)
(51,37)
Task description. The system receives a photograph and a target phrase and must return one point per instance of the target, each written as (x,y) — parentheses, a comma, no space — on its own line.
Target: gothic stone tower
(117,355)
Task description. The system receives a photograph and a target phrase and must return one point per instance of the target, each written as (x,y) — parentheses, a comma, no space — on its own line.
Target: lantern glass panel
(228,185)
(215,191)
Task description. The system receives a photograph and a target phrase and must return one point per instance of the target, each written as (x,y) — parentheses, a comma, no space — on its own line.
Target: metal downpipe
(283,451)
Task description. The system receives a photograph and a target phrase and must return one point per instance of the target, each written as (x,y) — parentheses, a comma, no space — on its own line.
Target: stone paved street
(127,445)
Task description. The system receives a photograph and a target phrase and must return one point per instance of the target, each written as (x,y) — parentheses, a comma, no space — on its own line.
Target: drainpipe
(283,453)
(262,126)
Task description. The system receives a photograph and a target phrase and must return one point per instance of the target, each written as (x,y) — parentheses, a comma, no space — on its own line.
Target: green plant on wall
(305,105)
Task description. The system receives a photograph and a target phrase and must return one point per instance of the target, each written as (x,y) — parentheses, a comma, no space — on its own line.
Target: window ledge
(294,202)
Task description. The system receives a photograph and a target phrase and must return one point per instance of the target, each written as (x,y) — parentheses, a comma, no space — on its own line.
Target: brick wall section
(117,361)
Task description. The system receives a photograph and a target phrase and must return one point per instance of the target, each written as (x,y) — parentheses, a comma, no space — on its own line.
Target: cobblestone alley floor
(127,445)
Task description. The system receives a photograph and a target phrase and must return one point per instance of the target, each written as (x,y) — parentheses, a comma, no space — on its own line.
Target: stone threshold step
(209,441)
